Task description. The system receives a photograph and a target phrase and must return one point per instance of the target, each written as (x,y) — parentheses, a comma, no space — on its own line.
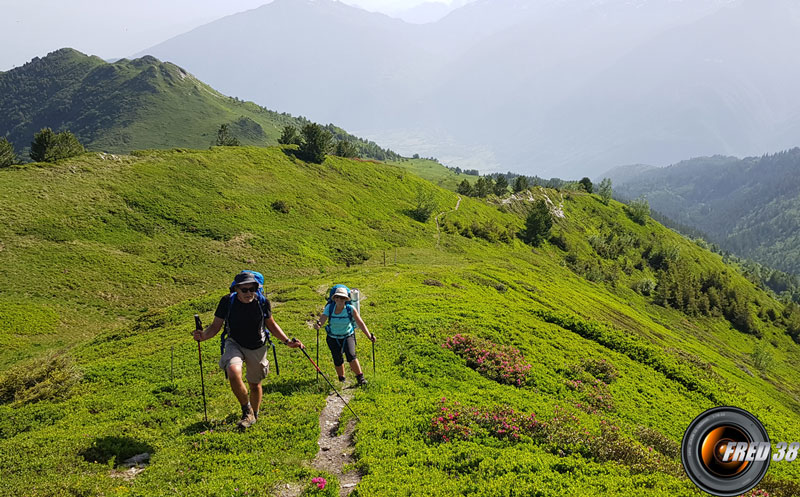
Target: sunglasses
(249,289)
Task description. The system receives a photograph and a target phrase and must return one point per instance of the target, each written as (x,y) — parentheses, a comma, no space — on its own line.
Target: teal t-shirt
(340,325)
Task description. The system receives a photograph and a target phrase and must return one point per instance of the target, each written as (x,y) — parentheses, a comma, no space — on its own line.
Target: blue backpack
(331,305)
(262,302)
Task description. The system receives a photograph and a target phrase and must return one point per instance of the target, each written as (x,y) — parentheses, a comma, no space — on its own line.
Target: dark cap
(244,278)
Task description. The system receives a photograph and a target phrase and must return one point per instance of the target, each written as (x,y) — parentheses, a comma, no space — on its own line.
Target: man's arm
(210,330)
(276,330)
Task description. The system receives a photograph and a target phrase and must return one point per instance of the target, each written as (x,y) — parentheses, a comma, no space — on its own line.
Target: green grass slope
(133,104)
(434,172)
(106,260)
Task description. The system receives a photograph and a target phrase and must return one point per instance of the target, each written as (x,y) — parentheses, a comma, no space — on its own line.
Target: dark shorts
(339,346)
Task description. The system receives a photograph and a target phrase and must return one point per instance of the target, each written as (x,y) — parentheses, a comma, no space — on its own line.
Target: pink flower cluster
(561,434)
(320,482)
(504,364)
(457,422)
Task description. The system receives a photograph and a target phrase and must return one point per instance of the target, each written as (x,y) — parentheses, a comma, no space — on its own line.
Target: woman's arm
(320,321)
(362,325)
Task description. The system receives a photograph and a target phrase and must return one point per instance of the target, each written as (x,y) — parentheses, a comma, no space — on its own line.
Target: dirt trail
(334,451)
(438,228)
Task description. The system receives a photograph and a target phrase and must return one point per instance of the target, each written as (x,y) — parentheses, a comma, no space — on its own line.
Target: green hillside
(434,172)
(747,206)
(134,104)
(105,260)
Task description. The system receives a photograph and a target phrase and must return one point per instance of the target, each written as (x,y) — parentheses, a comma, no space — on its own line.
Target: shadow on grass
(293,153)
(289,387)
(226,424)
(105,449)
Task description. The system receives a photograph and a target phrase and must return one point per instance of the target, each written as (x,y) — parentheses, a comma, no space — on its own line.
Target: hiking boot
(361,380)
(342,379)
(248,418)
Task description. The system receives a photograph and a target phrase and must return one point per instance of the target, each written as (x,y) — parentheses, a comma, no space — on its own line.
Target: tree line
(314,142)
(499,184)
(46,146)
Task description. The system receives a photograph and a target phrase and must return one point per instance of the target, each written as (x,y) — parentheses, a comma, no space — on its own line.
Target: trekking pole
(275,356)
(329,381)
(200,356)
(318,356)
(373,353)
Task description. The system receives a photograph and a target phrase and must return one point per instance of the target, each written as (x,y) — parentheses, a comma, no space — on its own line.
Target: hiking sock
(246,408)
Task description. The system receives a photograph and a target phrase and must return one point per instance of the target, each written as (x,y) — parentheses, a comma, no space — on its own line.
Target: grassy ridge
(434,172)
(105,232)
(134,104)
(173,226)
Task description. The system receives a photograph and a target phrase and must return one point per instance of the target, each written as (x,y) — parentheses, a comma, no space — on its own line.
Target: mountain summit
(553,87)
(133,104)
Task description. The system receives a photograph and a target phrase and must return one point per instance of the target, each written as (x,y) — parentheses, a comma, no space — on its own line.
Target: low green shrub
(644,286)
(601,369)
(594,393)
(280,206)
(762,357)
(350,254)
(49,377)
(590,380)
(655,439)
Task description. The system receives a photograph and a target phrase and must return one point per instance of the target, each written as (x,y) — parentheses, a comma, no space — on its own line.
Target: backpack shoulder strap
(262,304)
(349,308)
(329,308)
(225,326)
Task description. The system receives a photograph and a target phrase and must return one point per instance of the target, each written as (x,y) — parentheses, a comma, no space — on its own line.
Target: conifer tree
(289,136)
(7,154)
(537,224)
(345,149)
(225,138)
(481,187)
(42,144)
(501,186)
(316,142)
(50,147)
(605,190)
(464,188)
(520,184)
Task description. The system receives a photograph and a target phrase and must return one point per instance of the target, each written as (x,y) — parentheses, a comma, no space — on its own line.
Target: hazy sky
(119,28)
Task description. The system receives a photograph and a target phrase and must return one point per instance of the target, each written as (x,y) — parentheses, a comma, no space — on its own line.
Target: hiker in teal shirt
(341,337)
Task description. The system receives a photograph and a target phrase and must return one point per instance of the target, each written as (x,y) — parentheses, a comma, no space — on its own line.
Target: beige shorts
(257,365)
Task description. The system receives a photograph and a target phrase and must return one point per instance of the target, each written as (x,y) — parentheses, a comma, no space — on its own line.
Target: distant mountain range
(749,206)
(553,87)
(133,104)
